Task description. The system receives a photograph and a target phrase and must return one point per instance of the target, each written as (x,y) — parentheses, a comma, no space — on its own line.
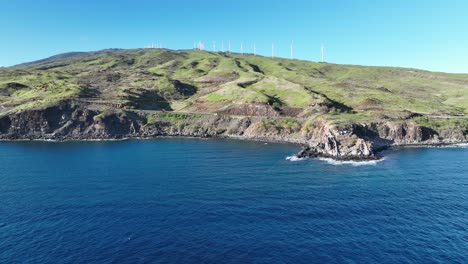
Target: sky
(430,34)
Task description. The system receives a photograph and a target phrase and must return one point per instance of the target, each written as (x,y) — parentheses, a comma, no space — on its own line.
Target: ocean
(177,200)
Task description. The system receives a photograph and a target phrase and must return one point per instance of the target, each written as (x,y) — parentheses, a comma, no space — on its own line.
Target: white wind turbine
(272,50)
(322,49)
(292,49)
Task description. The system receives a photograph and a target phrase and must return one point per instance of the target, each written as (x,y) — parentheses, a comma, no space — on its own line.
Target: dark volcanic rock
(72,120)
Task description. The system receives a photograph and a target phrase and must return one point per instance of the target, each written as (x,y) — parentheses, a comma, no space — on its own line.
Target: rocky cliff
(69,120)
(339,111)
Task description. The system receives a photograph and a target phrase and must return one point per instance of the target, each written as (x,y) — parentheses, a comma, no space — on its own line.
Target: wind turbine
(322,49)
(272,50)
(222,46)
(229,47)
(292,49)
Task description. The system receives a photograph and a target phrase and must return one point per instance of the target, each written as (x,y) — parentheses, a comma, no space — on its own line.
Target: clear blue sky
(427,34)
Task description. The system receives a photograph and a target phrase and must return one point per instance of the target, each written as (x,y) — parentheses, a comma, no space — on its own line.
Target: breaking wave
(352,163)
(339,162)
(457,145)
(294,158)
(461,145)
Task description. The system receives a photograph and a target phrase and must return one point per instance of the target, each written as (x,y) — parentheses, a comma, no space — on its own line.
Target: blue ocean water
(227,201)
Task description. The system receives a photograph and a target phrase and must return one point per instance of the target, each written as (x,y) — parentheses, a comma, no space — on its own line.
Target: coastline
(68,121)
(301,155)
(461,144)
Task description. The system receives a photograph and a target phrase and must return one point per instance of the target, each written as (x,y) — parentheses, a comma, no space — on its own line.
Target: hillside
(297,95)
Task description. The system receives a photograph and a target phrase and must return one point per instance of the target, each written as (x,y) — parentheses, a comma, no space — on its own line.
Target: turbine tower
(222,46)
(242,48)
(322,49)
(229,47)
(272,50)
(292,49)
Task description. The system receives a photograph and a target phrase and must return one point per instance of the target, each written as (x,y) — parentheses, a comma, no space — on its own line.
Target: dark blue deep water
(227,201)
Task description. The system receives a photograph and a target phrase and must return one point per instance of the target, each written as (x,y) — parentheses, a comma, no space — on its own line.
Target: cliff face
(73,121)
(406,133)
(68,120)
(159,92)
(363,141)
(340,143)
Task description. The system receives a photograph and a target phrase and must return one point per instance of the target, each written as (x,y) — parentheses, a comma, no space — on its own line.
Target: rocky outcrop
(350,142)
(70,120)
(405,133)
(364,141)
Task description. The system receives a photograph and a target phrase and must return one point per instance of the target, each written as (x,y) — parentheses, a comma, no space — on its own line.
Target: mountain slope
(198,82)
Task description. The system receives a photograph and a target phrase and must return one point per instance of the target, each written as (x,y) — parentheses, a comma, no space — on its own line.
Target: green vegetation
(280,125)
(176,116)
(236,94)
(207,82)
(442,123)
(289,123)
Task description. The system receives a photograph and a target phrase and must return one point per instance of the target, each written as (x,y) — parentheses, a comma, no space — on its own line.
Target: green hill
(192,81)
(293,99)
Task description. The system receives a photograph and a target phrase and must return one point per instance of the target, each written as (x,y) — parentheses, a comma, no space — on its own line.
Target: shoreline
(431,145)
(301,155)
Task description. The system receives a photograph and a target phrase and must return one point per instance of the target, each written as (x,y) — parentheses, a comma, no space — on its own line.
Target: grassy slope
(194,80)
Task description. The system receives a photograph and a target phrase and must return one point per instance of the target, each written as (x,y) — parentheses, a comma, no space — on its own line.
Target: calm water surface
(226,201)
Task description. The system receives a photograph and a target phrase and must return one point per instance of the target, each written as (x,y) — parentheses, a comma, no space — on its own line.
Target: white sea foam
(294,158)
(461,145)
(350,162)
(458,145)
